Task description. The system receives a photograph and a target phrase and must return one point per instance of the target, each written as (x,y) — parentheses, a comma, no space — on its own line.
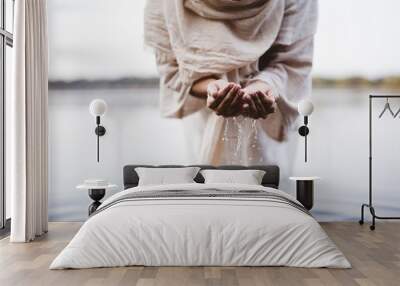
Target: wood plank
(375,257)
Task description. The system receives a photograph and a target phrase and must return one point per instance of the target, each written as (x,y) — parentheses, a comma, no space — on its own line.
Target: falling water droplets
(240,140)
(238,124)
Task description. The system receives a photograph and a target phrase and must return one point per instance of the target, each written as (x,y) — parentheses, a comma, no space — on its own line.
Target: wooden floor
(375,257)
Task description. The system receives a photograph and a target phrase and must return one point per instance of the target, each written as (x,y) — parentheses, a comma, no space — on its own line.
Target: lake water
(136,134)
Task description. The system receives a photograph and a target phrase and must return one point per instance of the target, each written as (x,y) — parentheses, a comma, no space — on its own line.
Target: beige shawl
(217,36)
(240,40)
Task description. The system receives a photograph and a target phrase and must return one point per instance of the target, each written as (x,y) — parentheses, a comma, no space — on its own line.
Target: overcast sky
(97,39)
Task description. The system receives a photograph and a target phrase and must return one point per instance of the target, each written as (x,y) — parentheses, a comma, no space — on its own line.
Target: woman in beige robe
(263,48)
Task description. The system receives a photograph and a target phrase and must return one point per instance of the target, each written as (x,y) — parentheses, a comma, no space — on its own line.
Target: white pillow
(164,176)
(248,177)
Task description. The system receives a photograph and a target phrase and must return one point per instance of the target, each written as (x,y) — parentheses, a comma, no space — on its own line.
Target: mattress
(201,225)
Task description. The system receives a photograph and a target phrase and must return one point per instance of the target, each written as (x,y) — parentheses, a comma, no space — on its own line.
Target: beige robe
(280,54)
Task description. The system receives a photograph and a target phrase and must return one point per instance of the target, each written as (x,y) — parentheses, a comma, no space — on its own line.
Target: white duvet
(200,231)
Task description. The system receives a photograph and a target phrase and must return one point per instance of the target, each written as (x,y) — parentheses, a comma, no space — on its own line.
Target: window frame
(6,39)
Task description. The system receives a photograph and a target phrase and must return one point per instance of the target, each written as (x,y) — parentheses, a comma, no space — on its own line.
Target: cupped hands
(229,99)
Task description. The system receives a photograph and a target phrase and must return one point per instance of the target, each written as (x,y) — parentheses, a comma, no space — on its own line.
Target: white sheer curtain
(27,122)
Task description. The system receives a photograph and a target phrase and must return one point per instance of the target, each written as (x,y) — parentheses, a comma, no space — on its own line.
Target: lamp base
(100,130)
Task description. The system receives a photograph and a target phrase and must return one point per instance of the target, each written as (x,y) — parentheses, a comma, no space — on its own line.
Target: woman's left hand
(259,100)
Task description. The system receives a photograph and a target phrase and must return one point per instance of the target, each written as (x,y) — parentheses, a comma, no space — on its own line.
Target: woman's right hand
(224,98)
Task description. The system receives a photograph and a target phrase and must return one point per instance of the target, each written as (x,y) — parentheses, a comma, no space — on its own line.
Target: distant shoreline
(387,82)
(105,83)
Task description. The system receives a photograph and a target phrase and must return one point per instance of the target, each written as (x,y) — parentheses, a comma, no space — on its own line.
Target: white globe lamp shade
(98,107)
(305,107)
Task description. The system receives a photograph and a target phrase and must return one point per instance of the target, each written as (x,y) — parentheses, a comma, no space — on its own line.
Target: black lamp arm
(304,131)
(98,147)
(99,131)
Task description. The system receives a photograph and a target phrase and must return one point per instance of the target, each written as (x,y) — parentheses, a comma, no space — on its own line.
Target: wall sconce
(305,109)
(98,108)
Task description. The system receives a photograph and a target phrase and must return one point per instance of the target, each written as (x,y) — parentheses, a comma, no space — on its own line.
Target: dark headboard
(271,177)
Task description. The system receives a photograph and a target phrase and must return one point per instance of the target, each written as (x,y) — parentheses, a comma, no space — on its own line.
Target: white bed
(202,231)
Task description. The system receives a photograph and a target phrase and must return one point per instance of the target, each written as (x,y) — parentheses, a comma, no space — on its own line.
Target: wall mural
(104,56)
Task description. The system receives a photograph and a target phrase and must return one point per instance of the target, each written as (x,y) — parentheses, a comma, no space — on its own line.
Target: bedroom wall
(137,134)
(134,133)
